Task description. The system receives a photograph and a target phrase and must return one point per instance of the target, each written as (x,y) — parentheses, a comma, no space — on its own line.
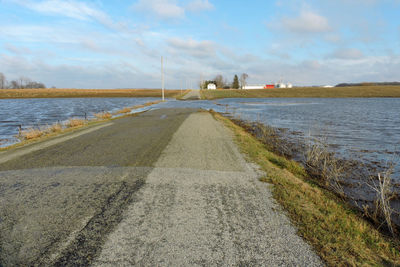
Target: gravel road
(60,198)
(192,95)
(203,205)
(166,188)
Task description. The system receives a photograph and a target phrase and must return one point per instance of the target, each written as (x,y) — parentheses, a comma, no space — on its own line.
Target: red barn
(269,86)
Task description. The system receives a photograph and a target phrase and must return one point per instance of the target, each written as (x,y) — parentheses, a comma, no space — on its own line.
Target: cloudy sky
(118,44)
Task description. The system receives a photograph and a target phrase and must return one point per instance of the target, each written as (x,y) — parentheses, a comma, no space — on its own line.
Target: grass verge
(298,92)
(337,232)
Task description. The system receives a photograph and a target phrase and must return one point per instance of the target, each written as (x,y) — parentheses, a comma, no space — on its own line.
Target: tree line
(223,83)
(367,84)
(20,83)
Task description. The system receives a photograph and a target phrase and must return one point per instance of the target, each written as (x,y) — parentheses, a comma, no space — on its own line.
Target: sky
(119,44)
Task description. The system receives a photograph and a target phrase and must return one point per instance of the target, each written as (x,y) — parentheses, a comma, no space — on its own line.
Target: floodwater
(365,128)
(37,112)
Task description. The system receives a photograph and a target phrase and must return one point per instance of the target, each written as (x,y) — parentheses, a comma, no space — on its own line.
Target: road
(166,188)
(192,95)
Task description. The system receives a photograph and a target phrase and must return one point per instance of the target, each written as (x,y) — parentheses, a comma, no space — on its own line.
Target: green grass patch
(339,234)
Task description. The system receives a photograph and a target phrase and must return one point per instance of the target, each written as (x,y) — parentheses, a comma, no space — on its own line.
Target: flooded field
(41,111)
(354,127)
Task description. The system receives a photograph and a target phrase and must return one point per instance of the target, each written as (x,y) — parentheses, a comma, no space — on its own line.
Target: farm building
(280,85)
(258,86)
(253,87)
(211,86)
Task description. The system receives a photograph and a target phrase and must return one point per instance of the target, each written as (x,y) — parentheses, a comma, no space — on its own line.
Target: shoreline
(338,232)
(353,181)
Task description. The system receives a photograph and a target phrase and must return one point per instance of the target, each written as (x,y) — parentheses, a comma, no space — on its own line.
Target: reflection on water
(367,126)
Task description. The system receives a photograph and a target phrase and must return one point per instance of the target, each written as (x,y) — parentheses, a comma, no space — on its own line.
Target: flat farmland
(299,92)
(70,93)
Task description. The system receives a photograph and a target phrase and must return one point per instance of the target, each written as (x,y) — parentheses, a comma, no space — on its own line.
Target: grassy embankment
(45,132)
(336,92)
(339,235)
(71,93)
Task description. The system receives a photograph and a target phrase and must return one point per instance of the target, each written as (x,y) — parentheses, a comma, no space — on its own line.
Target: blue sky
(118,44)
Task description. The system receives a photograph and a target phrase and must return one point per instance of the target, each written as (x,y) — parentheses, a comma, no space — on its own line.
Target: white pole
(162,78)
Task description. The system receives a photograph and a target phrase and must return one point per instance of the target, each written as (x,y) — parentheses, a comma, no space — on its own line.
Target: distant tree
(243,79)
(14,85)
(3,81)
(235,84)
(35,85)
(219,81)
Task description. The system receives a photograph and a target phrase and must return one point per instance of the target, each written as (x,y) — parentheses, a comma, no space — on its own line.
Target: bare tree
(243,79)
(24,82)
(219,80)
(2,81)
(14,84)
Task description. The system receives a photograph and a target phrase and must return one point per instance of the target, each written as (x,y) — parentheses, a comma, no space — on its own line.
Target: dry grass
(31,133)
(74,122)
(322,163)
(103,115)
(55,128)
(123,111)
(336,92)
(146,104)
(383,189)
(70,93)
(339,234)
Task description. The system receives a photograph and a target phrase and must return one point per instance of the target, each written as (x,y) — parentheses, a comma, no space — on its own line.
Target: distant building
(253,87)
(289,85)
(280,85)
(212,86)
(327,86)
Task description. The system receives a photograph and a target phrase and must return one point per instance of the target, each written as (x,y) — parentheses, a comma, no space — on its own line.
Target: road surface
(166,188)
(192,95)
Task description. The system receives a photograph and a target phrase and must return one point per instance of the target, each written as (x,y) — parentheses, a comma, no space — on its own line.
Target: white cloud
(17,49)
(164,9)
(199,5)
(306,22)
(347,53)
(193,48)
(72,9)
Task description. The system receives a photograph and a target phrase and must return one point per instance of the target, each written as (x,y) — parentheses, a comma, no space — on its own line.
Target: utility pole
(162,78)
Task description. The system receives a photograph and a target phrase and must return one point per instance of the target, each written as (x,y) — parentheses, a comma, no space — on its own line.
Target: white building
(253,87)
(280,85)
(289,85)
(211,86)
